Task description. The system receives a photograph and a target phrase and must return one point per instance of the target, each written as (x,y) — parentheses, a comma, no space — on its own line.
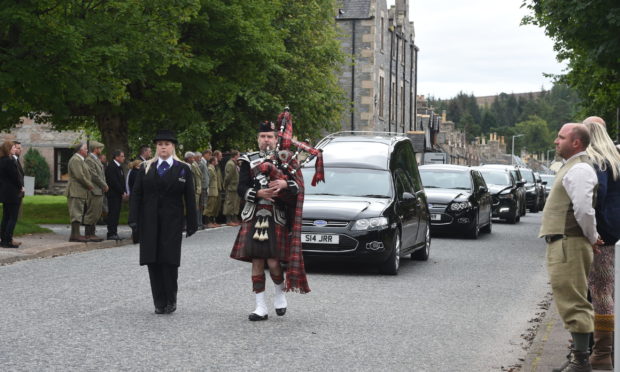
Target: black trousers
(114,213)
(10,211)
(164,284)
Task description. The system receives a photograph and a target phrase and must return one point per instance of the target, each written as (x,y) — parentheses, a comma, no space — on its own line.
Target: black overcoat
(11,182)
(157,207)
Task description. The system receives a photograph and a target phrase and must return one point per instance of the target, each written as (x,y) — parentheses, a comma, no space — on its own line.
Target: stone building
(54,146)
(380,77)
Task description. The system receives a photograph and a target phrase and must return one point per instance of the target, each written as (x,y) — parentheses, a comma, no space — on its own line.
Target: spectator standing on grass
(11,193)
(606,160)
(94,202)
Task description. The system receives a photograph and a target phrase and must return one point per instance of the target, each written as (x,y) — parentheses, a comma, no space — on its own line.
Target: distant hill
(488,100)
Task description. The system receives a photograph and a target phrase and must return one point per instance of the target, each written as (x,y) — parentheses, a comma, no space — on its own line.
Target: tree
(537,136)
(36,166)
(585,34)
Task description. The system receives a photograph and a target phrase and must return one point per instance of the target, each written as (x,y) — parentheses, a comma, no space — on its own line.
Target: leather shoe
(281,311)
(94,238)
(9,245)
(255,317)
(170,308)
(15,242)
(160,310)
(114,237)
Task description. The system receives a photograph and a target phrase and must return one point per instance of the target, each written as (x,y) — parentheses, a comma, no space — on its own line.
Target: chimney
(443,116)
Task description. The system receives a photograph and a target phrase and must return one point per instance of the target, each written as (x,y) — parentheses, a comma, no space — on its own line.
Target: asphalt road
(463,310)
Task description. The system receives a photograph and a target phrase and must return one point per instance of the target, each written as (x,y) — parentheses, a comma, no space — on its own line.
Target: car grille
(437,206)
(347,244)
(330,223)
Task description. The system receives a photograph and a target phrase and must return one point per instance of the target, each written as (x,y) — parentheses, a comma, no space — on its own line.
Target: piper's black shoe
(170,308)
(255,317)
(159,310)
(281,312)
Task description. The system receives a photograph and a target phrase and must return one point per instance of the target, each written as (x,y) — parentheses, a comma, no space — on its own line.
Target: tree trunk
(114,132)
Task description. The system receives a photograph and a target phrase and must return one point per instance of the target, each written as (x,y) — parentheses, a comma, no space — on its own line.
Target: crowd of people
(580,224)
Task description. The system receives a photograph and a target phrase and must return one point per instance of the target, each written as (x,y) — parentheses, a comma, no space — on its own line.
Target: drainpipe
(353,62)
(396,87)
(390,82)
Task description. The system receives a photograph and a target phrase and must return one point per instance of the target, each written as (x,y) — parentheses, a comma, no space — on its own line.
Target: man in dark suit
(115,178)
(11,193)
(163,188)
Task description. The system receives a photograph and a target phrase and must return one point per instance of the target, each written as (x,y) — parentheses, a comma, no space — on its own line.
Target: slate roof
(353,9)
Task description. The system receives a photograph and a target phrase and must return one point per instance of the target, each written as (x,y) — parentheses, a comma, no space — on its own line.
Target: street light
(512,158)
(549,160)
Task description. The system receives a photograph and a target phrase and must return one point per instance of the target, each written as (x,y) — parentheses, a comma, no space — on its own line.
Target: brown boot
(75,233)
(578,362)
(601,351)
(90,234)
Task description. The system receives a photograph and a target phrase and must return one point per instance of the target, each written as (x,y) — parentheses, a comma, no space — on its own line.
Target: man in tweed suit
(78,187)
(94,202)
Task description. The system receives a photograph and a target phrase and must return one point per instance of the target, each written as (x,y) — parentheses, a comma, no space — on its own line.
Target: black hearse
(372,207)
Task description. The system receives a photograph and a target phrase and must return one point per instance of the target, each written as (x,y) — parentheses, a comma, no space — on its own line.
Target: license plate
(320,238)
(435,217)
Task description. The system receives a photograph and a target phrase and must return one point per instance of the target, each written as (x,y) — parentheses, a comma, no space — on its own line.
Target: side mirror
(408,196)
(483,189)
(544,182)
(520,183)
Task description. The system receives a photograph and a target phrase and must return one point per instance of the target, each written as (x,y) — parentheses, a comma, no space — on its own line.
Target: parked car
(533,191)
(504,189)
(540,185)
(458,199)
(516,173)
(549,178)
(372,207)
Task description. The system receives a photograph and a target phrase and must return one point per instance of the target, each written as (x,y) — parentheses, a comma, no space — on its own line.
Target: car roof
(500,166)
(359,149)
(452,167)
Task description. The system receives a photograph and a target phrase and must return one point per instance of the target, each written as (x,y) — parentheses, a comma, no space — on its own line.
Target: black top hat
(165,135)
(266,126)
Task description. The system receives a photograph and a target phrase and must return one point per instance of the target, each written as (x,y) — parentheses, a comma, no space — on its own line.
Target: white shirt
(81,157)
(117,163)
(579,183)
(170,161)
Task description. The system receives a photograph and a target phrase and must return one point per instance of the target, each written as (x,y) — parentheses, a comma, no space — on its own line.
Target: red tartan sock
(277,279)
(258,283)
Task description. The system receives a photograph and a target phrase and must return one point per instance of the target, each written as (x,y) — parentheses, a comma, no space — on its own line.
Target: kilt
(276,246)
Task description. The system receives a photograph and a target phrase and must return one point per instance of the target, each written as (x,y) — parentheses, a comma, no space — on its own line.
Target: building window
(382,32)
(381,94)
(402,106)
(402,61)
(393,102)
(61,162)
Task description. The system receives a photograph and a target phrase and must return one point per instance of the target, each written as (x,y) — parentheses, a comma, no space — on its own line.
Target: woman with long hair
(606,160)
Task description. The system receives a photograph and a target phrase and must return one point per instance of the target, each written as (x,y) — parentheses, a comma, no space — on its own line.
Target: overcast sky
(477,46)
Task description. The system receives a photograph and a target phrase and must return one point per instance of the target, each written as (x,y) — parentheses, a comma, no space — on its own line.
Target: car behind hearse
(458,198)
(372,207)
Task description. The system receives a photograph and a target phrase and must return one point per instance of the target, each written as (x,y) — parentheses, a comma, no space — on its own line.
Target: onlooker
(77,191)
(145,153)
(20,171)
(206,155)
(190,158)
(569,228)
(134,167)
(163,186)
(94,202)
(220,182)
(231,181)
(214,194)
(606,161)
(204,183)
(11,193)
(115,178)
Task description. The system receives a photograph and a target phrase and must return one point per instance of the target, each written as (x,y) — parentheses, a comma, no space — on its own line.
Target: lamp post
(512,158)
(549,160)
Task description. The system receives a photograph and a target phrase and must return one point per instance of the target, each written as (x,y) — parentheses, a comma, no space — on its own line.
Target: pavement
(549,338)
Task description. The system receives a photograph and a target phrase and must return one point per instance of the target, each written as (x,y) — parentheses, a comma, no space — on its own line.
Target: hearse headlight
(375,223)
(459,206)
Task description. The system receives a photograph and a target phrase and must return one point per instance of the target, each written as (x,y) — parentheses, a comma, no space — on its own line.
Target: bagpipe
(282,160)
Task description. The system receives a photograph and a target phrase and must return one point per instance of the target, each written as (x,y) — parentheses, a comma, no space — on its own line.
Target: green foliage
(537,136)
(585,34)
(209,69)
(36,166)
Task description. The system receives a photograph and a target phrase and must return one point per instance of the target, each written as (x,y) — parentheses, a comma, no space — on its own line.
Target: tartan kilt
(242,249)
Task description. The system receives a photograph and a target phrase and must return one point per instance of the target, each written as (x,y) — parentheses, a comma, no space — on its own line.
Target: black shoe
(114,237)
(159,310)
(281,312)
(170,308)
(9,245)
(255,317)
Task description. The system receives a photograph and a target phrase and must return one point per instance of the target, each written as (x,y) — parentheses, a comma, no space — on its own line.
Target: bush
(36,166)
